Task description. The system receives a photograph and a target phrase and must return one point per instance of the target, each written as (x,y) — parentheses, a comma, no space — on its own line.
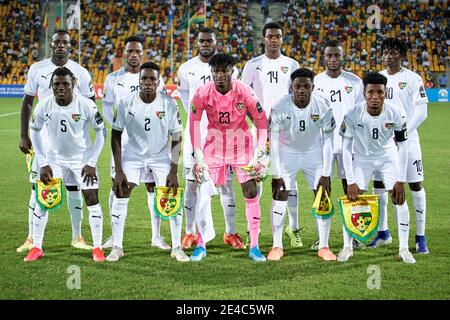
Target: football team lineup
(264,180)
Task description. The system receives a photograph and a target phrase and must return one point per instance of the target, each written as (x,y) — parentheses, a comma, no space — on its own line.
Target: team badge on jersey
(360,217)
(98,117)
(160,114)
(389,125)
(259,107)
(50,196)
(343,128)
(33,118)
(315,117)
(402,85)
(348,89)
(193,109)
(166,205)
(284,69)
(76,117)
(239,106)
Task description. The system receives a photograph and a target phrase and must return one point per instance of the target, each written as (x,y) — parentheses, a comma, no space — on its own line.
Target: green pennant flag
(184,22)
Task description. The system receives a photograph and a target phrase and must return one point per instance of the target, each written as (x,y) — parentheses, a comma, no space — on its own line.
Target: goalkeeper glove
(200,169)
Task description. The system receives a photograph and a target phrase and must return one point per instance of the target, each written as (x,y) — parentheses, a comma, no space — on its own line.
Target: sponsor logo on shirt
(284,69)
(422,92)
(389,125)
(402,85)
(160,114)
(76,117)
(193,109)
(98,117)
(315,117)
(239,106)
(348,89)
(259,107)
(343,127)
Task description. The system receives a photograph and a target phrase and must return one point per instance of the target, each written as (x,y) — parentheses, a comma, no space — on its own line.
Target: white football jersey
(40,74)
(300,129)
(373,136)
(68,128)
(269,78)
(406,90)
(343,93)
(121,83)
(193,74)
(148,125)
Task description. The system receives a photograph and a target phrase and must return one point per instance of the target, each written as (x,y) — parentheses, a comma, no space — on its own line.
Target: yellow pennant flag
(361,217)
(50,196)
(323,207)
(166,205)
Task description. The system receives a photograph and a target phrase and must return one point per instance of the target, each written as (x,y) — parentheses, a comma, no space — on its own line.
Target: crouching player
(150,118)
(71,155)
(370,130)
(229,142)
(301,131)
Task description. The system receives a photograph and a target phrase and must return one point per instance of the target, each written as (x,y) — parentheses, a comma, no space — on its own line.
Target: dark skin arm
(89,174)
(46,174)
(172,177)
(27,106)
(120,180)
(325,183)
(398,193)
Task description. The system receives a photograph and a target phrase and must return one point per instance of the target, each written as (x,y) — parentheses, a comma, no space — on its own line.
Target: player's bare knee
(378,184)
(90,197)
(150,187)
(249,189)
(415,186)
(281,196)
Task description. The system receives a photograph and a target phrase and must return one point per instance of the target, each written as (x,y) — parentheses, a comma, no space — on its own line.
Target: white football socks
(155,220)
(190,201)
(75,205)
(420,206)
(324,232)
(40,219)
(31,207)
(403,224)
(292,208)
(96,224)
(277,217)
(228,201)
(383,197)
(119,215)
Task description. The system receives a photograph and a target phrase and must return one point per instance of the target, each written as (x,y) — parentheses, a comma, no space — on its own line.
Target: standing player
(343,90)
(150,118)
(119,84)
(406,90)
(192,74)
(38,82)
(68,118)
(269,76)
(301,133)
(229,142)
(369,130)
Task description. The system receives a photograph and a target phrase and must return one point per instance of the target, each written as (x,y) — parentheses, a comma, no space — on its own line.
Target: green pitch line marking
(8,114)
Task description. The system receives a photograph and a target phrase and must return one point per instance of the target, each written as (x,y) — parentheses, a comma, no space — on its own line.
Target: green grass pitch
(148,273)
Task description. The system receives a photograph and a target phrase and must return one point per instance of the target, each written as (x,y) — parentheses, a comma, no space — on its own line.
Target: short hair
(332,44)
(302,73)
(134,39)
(271,25)
(62,71)
(374,78)
(150,65)
(61,31)
(394,44)
(206,30)
(221,60)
